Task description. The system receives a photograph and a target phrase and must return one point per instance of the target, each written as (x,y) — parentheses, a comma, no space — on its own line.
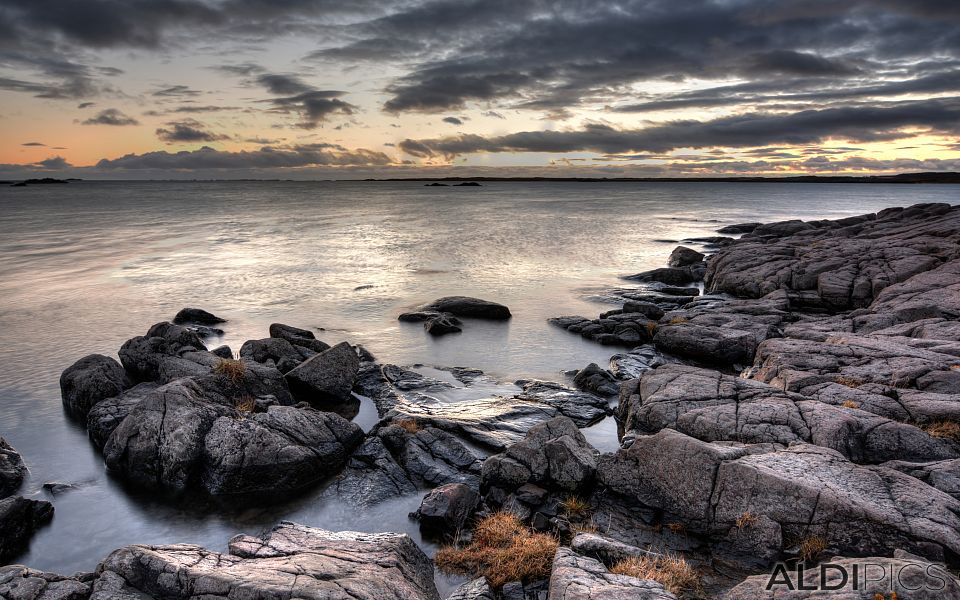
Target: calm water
(85,266)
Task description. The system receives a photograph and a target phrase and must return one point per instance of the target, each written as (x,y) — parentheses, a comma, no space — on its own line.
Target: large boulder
(90,380)
(289,562)
(596,380)
(327,378)
(303,338)
(228,436)
(12,469)
(280,450)
(553,455)
(806,490)
(276,352)
(576,577)
(444,510)
(108,414)
(19,518)
(683,257)
(464,306)
(165,353)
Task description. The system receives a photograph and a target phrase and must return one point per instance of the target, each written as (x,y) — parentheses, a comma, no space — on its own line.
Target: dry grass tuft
(575,507)
(652,327)
(677,320)
(502,550)
(234,370)
(811,547)
(408,425)
(245,404)
(850,404)
(672,572)
(944,429)
(747,519)
(677,527)
(850,382)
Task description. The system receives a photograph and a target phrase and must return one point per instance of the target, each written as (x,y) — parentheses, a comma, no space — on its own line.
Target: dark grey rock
(108,414)
(303,338)
(445,510)
(442,324)
(738,228)
(464,306)
(684,257)
(584,408)
(18,582)
(222,352)
(576,577)
(327,377)
(596,380)
(668,275)
(12,469)
(478,589)
(198,316)
(19,518)
(90,380)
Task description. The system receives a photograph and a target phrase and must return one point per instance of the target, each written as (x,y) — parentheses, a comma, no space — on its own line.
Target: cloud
(187,131)
(492,113)
(111,116)
(83,105)
(265,158)
(33,144)
(453,120)
(865,123)
(283,85)
(53,163)
(176,91)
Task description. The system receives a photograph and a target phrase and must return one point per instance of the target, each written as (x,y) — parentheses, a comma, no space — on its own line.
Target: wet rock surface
(12,469)
(19,518)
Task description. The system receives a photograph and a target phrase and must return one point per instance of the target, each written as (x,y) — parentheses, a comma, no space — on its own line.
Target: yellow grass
(234,370)
(811,547)
(850,404)
(944,429)
(652,328)
(678,320)
(575,507)
(409,425)
(672,572)
(677,527)
(502,550)
(747,519)
(850,382)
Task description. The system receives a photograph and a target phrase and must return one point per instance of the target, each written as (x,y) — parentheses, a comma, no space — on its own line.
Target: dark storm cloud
(265,158)
(453,120)
(865,123)
(283,85)
(188,131)
(312,105)
(111,116)
(33,144)
(374,49)
(572,52)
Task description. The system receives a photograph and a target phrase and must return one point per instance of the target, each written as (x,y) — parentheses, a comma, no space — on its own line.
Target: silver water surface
(85,266)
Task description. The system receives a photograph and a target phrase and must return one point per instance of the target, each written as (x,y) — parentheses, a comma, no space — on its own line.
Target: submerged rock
(464,306)
(442,324)
(291,561)
(198,316)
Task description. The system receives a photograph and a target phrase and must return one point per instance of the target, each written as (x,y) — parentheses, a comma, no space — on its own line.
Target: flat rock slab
(714,407)
(291,561)
(576,577)
(842,264)
(806,490)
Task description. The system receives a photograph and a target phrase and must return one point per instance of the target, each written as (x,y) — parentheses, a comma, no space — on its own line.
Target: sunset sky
(134,89)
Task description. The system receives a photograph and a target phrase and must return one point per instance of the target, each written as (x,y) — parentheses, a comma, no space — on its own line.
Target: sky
(307,89)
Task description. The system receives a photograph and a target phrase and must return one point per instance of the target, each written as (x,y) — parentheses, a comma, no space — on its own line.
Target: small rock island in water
(791,398)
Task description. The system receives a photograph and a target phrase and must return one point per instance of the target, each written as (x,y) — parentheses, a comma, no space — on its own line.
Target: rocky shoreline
(789,397)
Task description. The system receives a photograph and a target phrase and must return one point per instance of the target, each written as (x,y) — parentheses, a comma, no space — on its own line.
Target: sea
(87,265)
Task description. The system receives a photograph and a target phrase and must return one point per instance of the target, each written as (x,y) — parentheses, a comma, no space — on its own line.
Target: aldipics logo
(884,580)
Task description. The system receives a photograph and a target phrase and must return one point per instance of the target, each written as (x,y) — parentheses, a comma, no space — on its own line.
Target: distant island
(949,177)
